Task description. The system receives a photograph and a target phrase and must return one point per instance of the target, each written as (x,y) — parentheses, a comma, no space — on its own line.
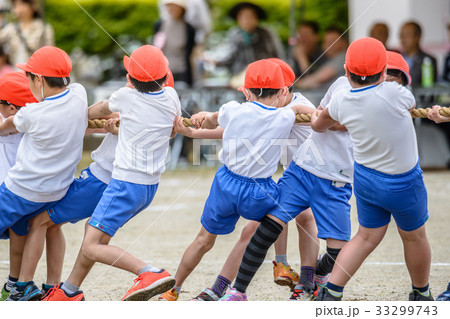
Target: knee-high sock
(326,263)
(266,234)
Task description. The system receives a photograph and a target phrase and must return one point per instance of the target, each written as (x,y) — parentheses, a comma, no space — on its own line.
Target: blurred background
(210,42)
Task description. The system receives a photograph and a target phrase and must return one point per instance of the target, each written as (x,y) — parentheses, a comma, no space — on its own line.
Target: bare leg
(34,246)
(16,246)
(355,252)
(231,266)
(194,254)
(309,244)
(96,248)
(415,243)
(281,243)
(56,248)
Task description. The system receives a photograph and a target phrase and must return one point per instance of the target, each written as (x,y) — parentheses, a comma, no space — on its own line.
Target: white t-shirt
(51,146)
(103,158)
(328,155)
(253,137)
(8,151)
(299,133)
(380,126)
(146,123)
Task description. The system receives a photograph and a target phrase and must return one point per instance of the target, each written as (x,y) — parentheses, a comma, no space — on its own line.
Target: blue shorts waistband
(385,175)
(245,178)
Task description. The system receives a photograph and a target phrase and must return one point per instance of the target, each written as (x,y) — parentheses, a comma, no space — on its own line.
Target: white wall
(432,15)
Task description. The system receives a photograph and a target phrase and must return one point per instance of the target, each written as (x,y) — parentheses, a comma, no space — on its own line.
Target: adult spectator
(335,45)
(5,67)
(308,52)
(410,36)
(28,33)
(197,15)
(249,42)
(380,31)
(176,38)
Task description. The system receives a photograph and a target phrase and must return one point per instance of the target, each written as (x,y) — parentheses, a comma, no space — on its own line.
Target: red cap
(263,74)
(365,57)
(48,61)
(397,62)
(169,79)
(146,64)
(288,73)
(15,89)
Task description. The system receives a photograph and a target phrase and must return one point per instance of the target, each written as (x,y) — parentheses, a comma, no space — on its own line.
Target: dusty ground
(160,235)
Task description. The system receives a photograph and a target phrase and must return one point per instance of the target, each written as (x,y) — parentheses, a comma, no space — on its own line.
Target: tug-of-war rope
(300,118)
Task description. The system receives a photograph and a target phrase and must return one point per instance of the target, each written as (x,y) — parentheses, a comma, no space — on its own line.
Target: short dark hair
(370,79)
(263,93)
(338,30)
(398,73)
(313,25)
(52,82)
(416,26)
(150,86)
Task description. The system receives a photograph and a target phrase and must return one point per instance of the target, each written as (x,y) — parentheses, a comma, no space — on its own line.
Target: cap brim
(126,62)
(408,77)
(23,67)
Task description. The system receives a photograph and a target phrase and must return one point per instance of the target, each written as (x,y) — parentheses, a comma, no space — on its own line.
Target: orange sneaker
(149,284)
(170,295)
(57,294)
(285,275)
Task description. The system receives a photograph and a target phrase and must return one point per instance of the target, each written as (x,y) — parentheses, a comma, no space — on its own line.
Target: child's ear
(247,94)
(346,71)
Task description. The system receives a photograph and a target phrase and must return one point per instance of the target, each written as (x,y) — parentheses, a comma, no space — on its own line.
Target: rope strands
(300,118)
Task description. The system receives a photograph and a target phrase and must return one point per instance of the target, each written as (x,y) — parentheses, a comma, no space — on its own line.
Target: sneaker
(321,280)
(325,295)
(415,295)
(5,293)
(285,275)
(149,284)
(28,293)
(170,295)
(57,294)
(445,296)
(234,295)
(302,294)
(207,295)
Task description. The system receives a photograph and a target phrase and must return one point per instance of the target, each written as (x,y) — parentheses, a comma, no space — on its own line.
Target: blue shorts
(80,200)
(379,195)
(299,190)
(13,209)
(120,202)
(232,196)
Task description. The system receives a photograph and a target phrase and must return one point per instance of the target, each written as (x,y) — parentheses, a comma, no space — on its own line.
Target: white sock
(148,268)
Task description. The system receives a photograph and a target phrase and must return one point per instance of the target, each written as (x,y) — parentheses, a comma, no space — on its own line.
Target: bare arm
(179,128)
(7,127)
(323,122)
(99,110)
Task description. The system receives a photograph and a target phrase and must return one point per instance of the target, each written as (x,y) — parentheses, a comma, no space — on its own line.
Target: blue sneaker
(30,292)
(445,296)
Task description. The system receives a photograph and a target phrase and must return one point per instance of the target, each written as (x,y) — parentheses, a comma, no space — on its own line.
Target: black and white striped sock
(266,234)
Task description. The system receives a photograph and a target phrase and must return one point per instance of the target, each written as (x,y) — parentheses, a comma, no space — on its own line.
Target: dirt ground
(161,234)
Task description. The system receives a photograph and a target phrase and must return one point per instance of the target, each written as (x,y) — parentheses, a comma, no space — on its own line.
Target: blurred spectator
(335,45)
(446,73)
(410,35)
(5,7)
(176,38)
(248,42)
(308,49)
(197,15)
(28,34)
(380,31)
(5,67)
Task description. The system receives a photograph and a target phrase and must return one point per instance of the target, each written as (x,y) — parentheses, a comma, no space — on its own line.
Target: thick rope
(300,118)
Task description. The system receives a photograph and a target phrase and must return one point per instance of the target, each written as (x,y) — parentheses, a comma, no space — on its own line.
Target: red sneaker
(57,294)
(149,284)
